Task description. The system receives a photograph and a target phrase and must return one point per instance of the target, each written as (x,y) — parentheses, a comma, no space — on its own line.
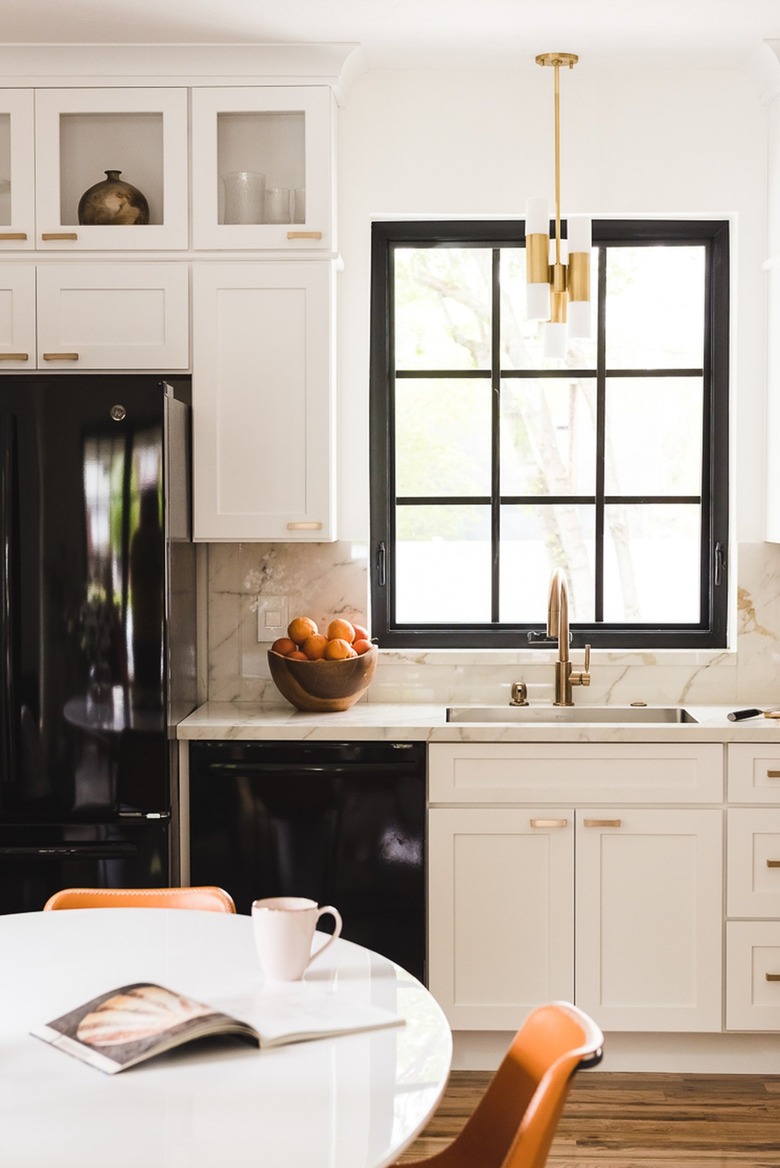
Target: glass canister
(244,197)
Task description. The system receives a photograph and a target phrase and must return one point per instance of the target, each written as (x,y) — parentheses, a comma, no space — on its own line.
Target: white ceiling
(436,33)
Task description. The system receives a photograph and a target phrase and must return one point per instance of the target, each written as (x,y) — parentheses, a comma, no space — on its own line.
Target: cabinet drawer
(754,773)
(754,862)
(753,975)
(569,773)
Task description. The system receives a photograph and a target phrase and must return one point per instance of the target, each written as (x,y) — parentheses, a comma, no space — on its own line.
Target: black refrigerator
(97,630)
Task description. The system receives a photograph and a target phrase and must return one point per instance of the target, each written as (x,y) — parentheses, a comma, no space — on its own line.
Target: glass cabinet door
(17,170)
(262,168)
(129,144)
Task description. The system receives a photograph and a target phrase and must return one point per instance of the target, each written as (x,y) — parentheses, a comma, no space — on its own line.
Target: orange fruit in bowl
(361,646)
(297,655)
(337,649)
(341,630)
(314,646)
(361,633)
(301,627)
(284,646)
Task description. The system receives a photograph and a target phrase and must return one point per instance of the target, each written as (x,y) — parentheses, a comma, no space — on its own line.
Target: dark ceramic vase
(113,201)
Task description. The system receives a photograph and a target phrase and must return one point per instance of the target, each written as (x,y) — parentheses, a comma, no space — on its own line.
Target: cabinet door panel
(754,862)
(649,918)
(753,975)
(113,316)
(501,928)
(262,391)
(17,170)
(17,316)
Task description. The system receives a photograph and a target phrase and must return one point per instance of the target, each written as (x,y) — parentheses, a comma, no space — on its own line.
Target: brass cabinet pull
(59,235)
(13,234)
(549,823)
(772,976)
(313,526)
(773,863)
(60,356)
(601,822)
(773,774)
(14,356)
(304,235)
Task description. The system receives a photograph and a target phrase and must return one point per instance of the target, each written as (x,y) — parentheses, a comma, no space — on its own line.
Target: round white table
(355,1101)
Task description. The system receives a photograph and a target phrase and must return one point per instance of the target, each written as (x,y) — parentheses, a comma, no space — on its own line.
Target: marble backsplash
(327,580)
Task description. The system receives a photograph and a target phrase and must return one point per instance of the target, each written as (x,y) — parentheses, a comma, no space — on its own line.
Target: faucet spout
(558,627)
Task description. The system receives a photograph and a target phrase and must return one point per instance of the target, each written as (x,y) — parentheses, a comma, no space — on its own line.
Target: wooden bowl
(323,686)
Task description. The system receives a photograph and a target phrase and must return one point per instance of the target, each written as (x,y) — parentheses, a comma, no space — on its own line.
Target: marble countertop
(405,722)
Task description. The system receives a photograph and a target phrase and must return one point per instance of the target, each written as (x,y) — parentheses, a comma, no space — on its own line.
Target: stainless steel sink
(540,715)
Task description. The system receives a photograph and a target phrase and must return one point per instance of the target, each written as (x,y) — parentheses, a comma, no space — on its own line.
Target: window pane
(652,564)
(442,308)
(521,339)
(548,437)
(443,565)
(655,307)
(443,437)
(534,540)
(654,436)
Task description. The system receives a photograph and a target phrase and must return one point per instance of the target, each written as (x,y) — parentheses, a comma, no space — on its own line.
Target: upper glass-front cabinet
(262,168)
(17,170)
(140,136)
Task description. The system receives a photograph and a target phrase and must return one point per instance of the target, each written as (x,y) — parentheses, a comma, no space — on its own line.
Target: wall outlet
(272,618)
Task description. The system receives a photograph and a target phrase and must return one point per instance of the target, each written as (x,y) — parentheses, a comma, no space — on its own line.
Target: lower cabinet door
(650,918)
(500,912)
(753,975)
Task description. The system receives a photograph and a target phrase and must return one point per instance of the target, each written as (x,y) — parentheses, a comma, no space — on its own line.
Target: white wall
(671,142)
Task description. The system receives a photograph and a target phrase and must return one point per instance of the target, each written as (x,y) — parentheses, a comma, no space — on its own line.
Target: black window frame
(711,631)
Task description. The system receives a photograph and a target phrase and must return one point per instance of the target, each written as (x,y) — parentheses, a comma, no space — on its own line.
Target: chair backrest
(204,897)
(514,1123)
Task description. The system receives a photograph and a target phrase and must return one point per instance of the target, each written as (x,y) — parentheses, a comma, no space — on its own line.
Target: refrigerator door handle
(144,815)
(8,753)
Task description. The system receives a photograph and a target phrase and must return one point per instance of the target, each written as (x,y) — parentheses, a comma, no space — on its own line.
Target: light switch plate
(272,618)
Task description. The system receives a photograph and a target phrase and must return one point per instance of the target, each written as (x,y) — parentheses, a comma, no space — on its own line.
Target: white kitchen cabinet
(82,133)
(263,168)
(94,316)
(501,925)
(753,888)
(649,918)
(638,888)
(263,392)
(17,170)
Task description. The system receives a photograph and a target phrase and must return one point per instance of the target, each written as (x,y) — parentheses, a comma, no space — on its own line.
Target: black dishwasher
(340,822)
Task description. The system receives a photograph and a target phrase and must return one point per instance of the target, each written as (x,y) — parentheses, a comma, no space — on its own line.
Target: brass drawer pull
(602,822)
(549,823)
(304,526)
(14,356)
(772,976)
(773,774)
(304,235)
(60,356)
(59,235)
(13,234)
(773,863)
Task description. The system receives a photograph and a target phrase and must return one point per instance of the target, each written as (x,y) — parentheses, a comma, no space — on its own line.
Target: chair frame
(206,897)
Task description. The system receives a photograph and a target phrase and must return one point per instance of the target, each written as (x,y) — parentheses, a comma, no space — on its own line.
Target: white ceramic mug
(284,929)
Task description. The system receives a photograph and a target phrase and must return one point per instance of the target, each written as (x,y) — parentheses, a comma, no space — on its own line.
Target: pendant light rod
(556,60)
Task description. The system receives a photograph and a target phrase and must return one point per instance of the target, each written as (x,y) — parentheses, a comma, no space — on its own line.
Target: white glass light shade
(537,217)
(537,301)
(554,338)
(579,319)
(579,233)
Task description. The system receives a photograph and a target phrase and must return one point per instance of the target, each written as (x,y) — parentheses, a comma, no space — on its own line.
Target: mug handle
(334,912)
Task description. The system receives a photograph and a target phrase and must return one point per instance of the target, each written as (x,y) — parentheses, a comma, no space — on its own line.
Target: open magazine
(136,1022)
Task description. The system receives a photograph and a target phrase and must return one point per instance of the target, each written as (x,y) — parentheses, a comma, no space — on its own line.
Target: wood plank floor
(641,1121)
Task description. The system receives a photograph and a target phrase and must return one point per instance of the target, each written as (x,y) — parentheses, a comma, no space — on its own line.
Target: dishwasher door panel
(342,824)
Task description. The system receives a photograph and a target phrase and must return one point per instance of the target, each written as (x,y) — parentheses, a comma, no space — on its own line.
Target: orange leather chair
(205,897)
(515,1121)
